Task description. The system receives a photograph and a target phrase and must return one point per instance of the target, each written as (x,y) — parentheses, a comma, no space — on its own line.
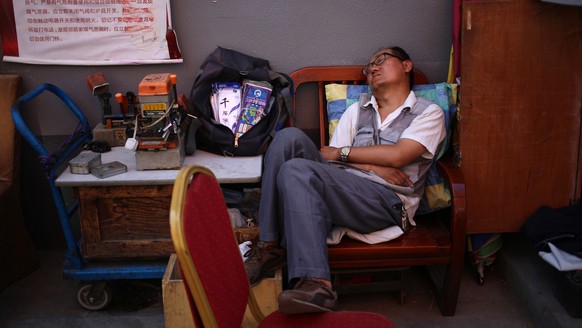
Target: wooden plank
(125,221)
(125,249)
(126,191)
(134,218)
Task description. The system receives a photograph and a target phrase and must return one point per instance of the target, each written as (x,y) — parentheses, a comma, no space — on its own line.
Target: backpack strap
(285,92)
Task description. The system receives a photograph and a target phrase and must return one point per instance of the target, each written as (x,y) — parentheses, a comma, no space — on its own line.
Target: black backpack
(225,65)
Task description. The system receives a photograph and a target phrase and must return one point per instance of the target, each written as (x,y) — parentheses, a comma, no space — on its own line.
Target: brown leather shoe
(307,296)
(263,260)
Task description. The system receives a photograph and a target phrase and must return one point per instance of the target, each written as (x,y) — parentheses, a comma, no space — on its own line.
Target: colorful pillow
(341,96)
(444,95)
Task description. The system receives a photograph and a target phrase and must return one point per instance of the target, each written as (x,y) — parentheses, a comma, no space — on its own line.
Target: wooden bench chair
(438,240)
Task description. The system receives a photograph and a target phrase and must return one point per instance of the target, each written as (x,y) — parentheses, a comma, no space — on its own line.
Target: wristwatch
(344,152)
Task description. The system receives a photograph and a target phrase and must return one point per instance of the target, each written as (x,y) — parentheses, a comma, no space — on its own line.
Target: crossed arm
(384,160)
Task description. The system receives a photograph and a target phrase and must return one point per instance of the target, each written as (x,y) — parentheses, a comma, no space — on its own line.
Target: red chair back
(212,266)
(211,263)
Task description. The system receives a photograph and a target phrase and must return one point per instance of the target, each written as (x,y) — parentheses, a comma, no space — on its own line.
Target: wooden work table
(126,215)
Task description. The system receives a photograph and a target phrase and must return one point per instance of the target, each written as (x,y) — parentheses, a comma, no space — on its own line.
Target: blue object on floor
(75,266)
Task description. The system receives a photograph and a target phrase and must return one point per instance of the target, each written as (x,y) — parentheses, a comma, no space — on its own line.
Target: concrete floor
(45,299)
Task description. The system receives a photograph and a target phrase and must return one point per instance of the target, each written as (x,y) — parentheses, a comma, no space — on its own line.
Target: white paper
(85,33)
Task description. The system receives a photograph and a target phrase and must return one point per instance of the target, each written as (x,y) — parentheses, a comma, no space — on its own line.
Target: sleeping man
(391,136)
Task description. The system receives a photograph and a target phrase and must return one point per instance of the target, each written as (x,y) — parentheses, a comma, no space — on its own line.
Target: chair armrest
(455,180)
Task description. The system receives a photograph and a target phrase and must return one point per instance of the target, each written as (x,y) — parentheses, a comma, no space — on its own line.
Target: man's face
(386,67)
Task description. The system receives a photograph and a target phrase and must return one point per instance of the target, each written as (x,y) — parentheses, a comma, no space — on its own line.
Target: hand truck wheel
(94,296)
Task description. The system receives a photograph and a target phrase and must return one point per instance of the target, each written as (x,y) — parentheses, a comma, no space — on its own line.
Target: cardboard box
(267,295)
(177,310)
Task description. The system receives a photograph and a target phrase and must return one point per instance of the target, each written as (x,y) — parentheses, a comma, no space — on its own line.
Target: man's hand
(392,175)
(330,153)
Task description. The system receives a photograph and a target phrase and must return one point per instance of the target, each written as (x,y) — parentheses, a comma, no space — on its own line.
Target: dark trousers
(303,197)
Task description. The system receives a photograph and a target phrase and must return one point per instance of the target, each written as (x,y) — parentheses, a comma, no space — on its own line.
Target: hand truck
(94,292)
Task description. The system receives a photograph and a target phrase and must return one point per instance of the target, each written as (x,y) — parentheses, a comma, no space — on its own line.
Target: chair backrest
(345,82)
(212,266)
(206,247)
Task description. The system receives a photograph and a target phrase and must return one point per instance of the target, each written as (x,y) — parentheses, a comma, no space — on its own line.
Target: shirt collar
(409,102)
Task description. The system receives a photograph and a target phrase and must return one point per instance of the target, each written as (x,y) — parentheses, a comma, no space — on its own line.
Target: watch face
(344,152)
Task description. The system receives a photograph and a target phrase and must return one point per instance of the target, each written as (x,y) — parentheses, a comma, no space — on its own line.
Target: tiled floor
(45,299)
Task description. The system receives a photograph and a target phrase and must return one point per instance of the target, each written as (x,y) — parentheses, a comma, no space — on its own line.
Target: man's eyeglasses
(378,61)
